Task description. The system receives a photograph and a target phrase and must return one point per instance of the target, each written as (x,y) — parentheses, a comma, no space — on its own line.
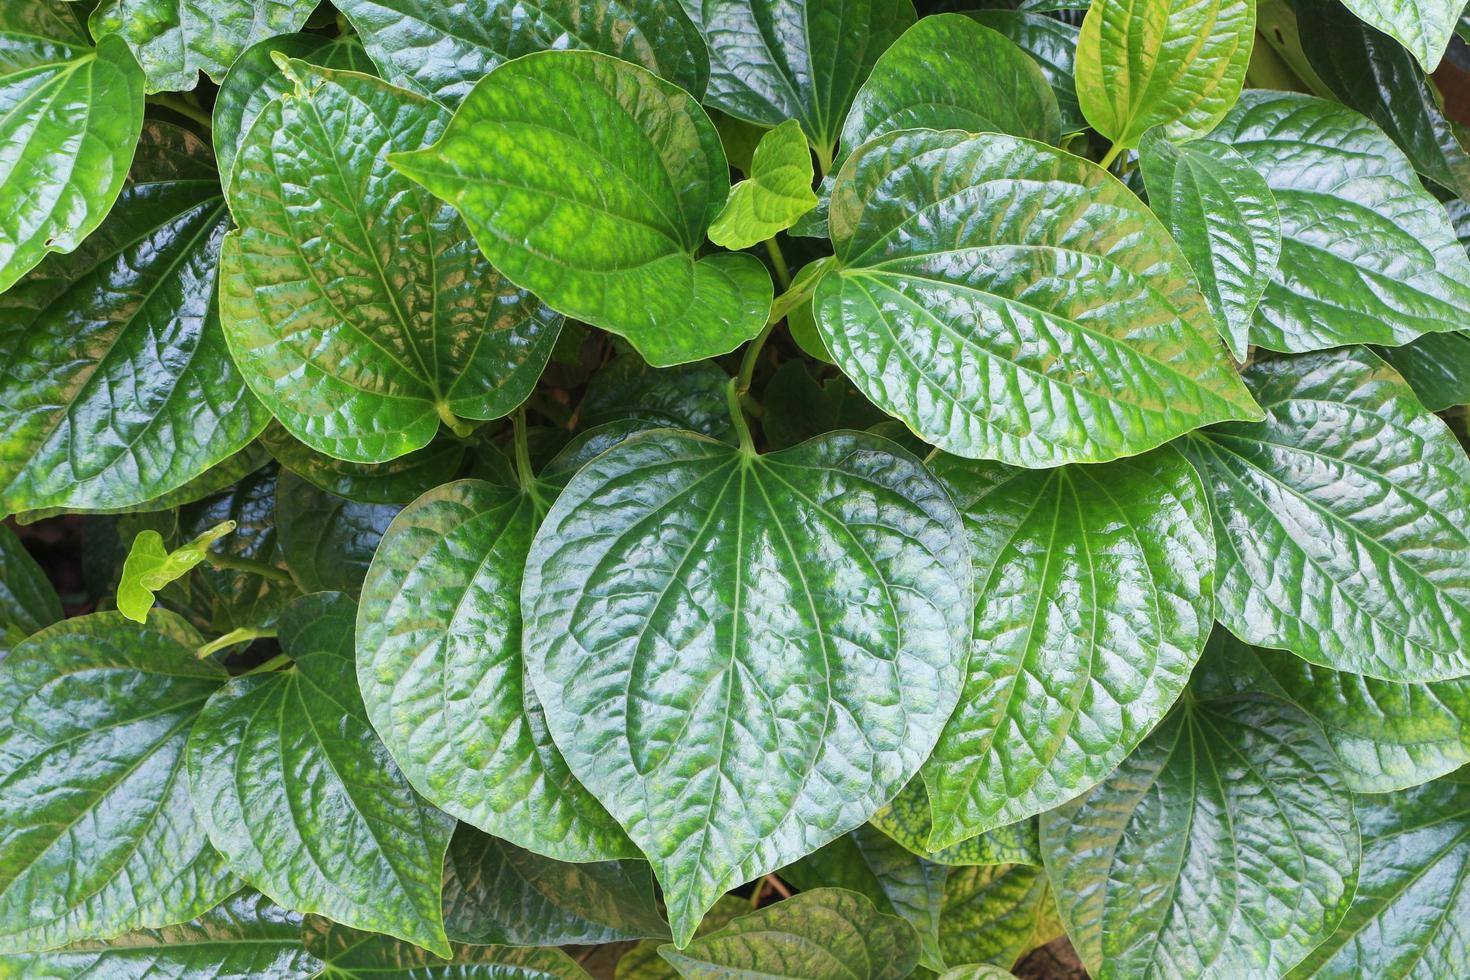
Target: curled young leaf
(777,192)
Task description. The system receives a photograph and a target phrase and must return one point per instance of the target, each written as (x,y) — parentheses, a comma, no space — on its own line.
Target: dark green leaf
(28,601)
(643,962)
(97,834)
(716,636)
(1052,44)
(908,819)
(301,797)
(607,233)
(1436,366)
(996,914)
(1422,26)
(797,408)
(230,598)
(327,541)
(586,446)
(689,396)
(1069,329)
(353,955)
(778,191)
(397,481)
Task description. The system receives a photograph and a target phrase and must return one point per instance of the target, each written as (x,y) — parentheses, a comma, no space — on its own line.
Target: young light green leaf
(1222,214)
(497,893)
(1413,899)
(357,307)
(607,234)
(440,669)
(908,819)
(72,118)
(1052,44)
(150,566)
(353,955)
(824,934)
(99,834)
(1093,598)
(996,914)
(443,47)
(328,541)
(688,396)
(118,385)
(745,656)
(28,601)
(1224,846)
(777,192)
(302,799)
(397,481)
(1342,521)
(957,323)
(1173,63)
(1436,366)
(1367,256)
(1422,26)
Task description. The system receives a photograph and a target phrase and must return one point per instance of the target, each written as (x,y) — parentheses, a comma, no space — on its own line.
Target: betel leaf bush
(772,488)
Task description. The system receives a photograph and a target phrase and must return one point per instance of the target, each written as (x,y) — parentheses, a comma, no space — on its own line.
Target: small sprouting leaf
(353,955)
(328,541)
(1224,846)
(1052,44)
(302,799)
(99,834)
(745,656)
(1436,366)
(357,307)
(497,893)
(1093,598)
(908,819)
(397,481)
(1222,214)
(440,668)
(150,566)
(1342,522)
(1422,26)
(996,914)
(1173,63)
(71,120)
(955,323)
(688,396)
(28,601)
(777,192)
(233,598)
(443,47)
(607,234)
(823,934)
(1367,256)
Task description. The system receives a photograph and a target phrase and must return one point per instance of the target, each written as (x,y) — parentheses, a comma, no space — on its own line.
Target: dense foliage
(782,488)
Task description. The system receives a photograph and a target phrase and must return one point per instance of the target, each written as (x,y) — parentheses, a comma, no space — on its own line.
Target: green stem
(456,424)
(274,663)
(778,262)
(824,160)
(234,637)
(739,385)
(1111,155)
(525,475)
(248,565)
(185,108)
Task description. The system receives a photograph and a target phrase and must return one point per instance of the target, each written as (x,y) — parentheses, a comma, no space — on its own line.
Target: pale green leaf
(908,819)
(150,566)
(996,914)
(777,192)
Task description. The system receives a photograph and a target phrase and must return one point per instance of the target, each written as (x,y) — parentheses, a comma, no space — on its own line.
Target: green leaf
(244,936)
(353,955)
(716,636)
(175,40)
(440,668)
(778,191)
(949,72)
(1224,846)
(1407,919)
(1342,521)
(977,971)
(99,835)
(1052,44)
(825,934)
(1093,598)
(119,388)
(28,601)
(1222,214)
(397,481)
(356,306)
(150,566)
(609,233)
(908,820)
(1422,26)
(228,597)
(443,47)
(328,541)
(689,396)
(72,118)
(996,914)
(1174,63)
(797,408)
(643,962)
(497,893)
(1066,330)
(1367,255)
(1436,366)
(301,797)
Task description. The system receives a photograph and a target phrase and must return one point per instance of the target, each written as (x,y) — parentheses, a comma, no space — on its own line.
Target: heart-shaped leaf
(1422,26)
(1069,329)
(328,541)
(1052,44)
(778,191)
(353,955)
(150,566)
(606,232)
(744,656)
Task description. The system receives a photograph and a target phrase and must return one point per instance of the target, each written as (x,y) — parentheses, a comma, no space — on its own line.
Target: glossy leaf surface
(1436,366)
(1065,327)
(996,914)
(353,955)
(778,191)
(1422,26)
(397,481)
(701,622)
(908,819)
(1052,44)
(688,396)
(28,601)
(328,541)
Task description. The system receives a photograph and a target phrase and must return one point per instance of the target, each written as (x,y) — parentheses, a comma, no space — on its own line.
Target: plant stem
(234,637)
(274,663)
(248,565)
(456,424)
(739,385)
(185,108)
(525,475)
(824,160)
(778,261)
(1111,155)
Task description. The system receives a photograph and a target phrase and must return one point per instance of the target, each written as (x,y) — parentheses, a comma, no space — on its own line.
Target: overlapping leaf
(1052,44)
(227,597)
(28,602)
(328,541)
(689,396)
(996,914)
(1436,366)
(778,191)
(353,955)
(1422,26)
(397,481)
(908,819)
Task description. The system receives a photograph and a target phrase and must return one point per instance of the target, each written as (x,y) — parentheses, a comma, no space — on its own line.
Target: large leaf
(443,47)
(118,385)
(772,60)
(357,306)
(1422,26)
(353,955)
(1342,521)
(97,834)
(497,893)
(1408,917)
(397,481)
(1093,598)
(1222,214)
(1367,255)
(328,541)
(1010,301)
(301,797)
(1436,366)
(440,668)
(689,396)
(606,231)
(243,937)
(69,120)
(824,934)
(1224,846)
(1174,63)
(28,601)
(745,656)
(1052,44)
(778,191)
(996,914)
(908,819)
